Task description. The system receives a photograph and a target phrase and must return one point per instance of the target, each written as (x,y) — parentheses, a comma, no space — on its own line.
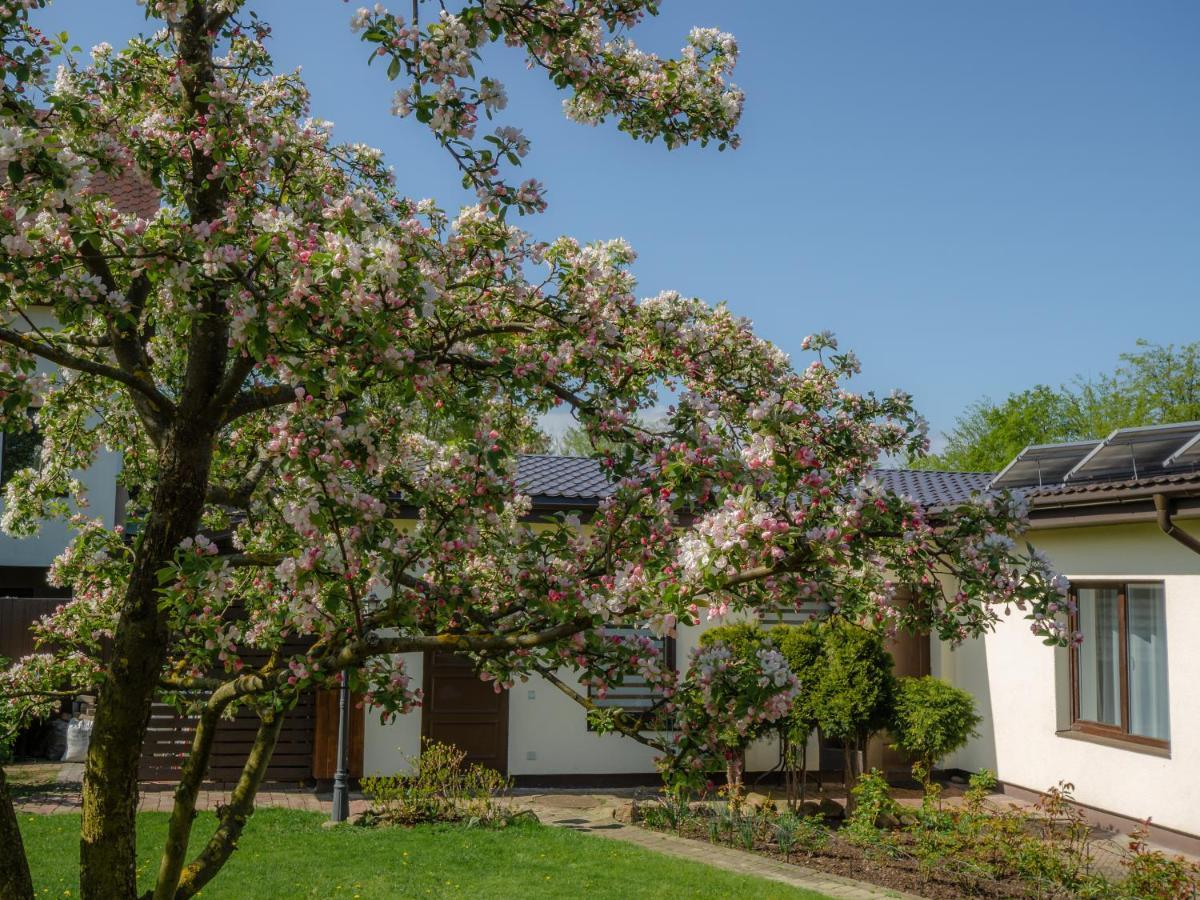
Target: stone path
(594,814)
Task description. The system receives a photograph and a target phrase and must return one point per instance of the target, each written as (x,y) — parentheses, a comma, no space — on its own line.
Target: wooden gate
(17,614)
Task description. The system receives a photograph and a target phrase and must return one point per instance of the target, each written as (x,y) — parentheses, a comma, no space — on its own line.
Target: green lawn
(285,853)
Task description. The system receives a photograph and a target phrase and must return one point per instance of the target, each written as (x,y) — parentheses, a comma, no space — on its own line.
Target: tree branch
(624,722)
(183,813)
(163,406)
(258,399)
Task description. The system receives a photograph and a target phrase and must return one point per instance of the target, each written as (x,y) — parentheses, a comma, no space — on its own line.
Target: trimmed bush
(854,696)
(932,719)
(744,639)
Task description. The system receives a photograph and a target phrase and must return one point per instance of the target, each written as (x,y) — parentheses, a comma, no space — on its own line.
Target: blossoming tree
(319,389)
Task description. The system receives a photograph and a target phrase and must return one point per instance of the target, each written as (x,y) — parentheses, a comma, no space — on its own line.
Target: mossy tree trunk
(108,858)
(15,882)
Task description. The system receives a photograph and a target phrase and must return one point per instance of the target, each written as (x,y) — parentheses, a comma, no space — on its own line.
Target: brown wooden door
(460,709)
(911,655)
(324,752)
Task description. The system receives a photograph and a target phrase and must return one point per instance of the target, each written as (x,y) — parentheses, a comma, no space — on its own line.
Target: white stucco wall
(546,723)
(388,748)
(100,481)
(1022,687)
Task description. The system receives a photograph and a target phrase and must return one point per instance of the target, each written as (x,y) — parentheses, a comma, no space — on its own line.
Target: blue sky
(975,196)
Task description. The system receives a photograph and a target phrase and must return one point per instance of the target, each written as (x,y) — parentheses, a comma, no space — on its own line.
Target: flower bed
(977,849)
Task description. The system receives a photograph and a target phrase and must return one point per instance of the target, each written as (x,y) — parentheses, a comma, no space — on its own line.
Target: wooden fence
(169,740)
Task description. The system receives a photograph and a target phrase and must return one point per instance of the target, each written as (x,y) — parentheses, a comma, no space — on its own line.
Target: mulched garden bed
(839,857)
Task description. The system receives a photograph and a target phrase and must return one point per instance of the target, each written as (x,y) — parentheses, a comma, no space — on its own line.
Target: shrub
(744,639)
(931,720)
(440,789)
(734,691)
(1153,875)
(873,808)
(803,646)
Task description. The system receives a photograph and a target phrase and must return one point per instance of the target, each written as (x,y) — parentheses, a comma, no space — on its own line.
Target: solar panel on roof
(1040,464)
(1187,455)
(1133,452)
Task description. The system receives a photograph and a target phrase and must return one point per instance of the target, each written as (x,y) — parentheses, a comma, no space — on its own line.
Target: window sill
(1115,742)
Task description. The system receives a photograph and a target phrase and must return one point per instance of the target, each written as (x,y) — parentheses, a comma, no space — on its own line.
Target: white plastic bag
(79,735)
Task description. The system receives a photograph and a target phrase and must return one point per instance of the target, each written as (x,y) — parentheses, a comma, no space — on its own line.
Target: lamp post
(341,775)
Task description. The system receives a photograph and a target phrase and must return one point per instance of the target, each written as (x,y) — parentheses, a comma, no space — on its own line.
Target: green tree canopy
(803,646)
(854,697)
(1152,385)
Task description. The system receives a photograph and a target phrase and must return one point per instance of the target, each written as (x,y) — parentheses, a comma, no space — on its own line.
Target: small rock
(758,801)
(908,820)
(958,779)
(887,821)
(831,809)
(624,812)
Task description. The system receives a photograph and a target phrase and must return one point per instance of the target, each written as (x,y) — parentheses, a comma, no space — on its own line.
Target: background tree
(931,720)
(1153,385)
(288,354)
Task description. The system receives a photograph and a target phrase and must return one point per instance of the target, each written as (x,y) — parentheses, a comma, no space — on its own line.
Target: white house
(1114,717)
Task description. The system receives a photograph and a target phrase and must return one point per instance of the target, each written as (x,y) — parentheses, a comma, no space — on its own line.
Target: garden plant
(931,720)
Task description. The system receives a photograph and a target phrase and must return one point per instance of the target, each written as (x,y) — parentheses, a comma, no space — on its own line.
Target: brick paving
(64,797)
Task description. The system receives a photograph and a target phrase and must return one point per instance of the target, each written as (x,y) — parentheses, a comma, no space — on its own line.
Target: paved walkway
(594,814)
(155,796)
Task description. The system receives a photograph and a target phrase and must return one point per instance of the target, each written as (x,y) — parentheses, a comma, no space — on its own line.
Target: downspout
(1162,509)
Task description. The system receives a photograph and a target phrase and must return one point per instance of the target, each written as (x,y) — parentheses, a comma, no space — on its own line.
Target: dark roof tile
(1126,485)
(548,479)
(551,478)
(933,489)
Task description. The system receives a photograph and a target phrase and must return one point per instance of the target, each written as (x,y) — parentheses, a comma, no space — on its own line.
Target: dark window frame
(1100,729)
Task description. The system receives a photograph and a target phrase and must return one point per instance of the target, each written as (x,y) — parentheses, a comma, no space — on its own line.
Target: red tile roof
(130,192)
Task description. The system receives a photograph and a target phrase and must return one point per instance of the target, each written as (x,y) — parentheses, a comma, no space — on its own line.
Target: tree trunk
(850,771)
(183,813)
(735,763)
(803,770)
(15,882)
(108,855)
(234,816)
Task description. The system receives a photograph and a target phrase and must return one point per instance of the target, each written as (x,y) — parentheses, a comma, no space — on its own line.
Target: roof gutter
(1163,512)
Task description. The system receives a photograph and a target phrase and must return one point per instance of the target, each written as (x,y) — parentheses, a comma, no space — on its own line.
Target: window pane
(1099,656)
(21,450)
(1146,620)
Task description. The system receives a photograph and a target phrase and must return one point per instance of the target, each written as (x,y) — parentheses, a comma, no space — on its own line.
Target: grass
(286,853)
